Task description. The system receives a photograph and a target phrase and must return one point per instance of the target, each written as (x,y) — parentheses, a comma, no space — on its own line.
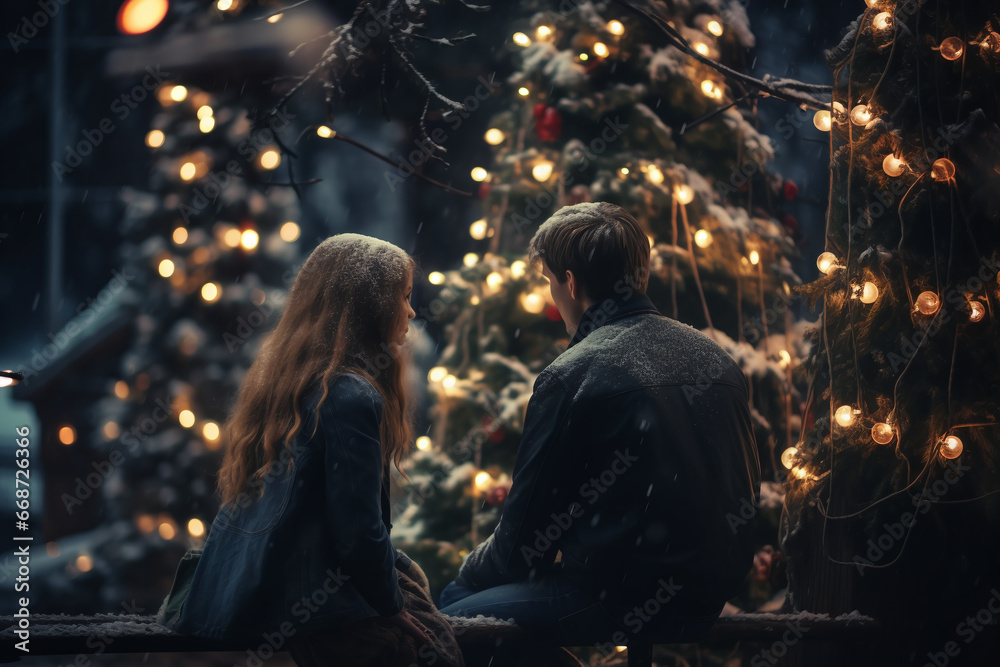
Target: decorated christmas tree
(892,505)
(597,111)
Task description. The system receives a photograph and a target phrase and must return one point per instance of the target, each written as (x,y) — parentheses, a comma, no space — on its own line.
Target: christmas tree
(596,111)
(891,505)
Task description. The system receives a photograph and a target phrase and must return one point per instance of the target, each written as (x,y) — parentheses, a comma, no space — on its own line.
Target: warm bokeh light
(522,91)
(518,268)
(684,193)
(861,114)
(155,138)
(204,111)
(249,239)
(166,530)
(701,47)
(624,171)
(543,32)
(788,457)
(180,235)
(211,431)
(882,433)
(976,311)
(435,278)
(178,93)
(210,292)
(270,159)
(616,28)
(826,262)
(822,120)
(714,27)
(601,50)
(869,292)
(196,528)
(882,21)
(711,89)
(494,280)
(654,175)
(423,443)
(952,447)
(784,358)
(437,374)
(521,39)
(892,165)
(121,389)
(483,480)
(943,169)
(542,171)
(84,563)
(166,268)
(52,549)
(928,303)
(479,174)
(146,523)
(224,5)
(188,171)
(111,430)
(702,238)
(206,124)
(186,418)
(754,257)
(232,237)
(494,137)
(289,232)
(533,303)
(470,259)
(449,381)
(952,48)
(324,131)
(138,16)
(275,18)
(67,435)
(477,230)
(844,415)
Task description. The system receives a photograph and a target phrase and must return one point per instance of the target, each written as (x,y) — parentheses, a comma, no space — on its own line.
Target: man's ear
(573,286)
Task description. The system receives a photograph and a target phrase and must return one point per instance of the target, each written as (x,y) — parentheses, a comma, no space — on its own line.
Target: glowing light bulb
(479,174)
(449,381)
(437,373)
(701,47)
(178,93)
(623,171)
(654,175)
(882,21)
(951,447)
(893,166)
(584,56)
(494,280)
(882,433)
(714,27)
(522,91)
(943,169)
(521,39)
(822,120)
(206,124)
(232,237)
(542,171)
(155,138)
(84,563)
(977,311)
(928,303)
(270,159)
(67,435)
(518,268)
(188,170)
(111,430)
(800,472)
(869,292)
(533,303)
(324,131)
(470,259)
(601,50)
(289,232)
(788,457)
(543,32)
(166,531)
(616,28)
(186,418)
(844,415)
(224,5)
(871,3)
(711,89)
(180,235)
(204,111)
(483,480)
(784,358)
(754,257)
(494,137)
(423,443)
(826,262)
(275,18)
(684,193)
(210,292)
(702,238)
(138,16)
(861,114)
(211,431)
(166,268)
(474,299)
(435,278)
(196,528)
(249,239)
(952,48)
(477,230)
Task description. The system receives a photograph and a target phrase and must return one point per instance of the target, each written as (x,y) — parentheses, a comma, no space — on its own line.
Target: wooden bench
(61,634)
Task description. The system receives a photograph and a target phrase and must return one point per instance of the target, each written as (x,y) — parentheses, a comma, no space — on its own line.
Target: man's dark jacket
(638,462)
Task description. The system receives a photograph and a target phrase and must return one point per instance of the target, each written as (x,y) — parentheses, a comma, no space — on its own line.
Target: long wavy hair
(342,314)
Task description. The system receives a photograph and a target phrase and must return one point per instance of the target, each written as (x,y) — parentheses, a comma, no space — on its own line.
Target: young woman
(299,556)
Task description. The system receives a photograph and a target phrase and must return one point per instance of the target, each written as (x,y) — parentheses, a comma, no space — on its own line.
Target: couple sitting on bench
(637,444)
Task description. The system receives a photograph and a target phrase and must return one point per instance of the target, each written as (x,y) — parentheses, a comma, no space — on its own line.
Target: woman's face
(405,308)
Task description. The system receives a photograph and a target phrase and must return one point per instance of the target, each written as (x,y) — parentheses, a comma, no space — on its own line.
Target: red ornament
(552,313)
(548,122)
(790,223)
(790,190)
(484,190)
(495,431)
(496,496)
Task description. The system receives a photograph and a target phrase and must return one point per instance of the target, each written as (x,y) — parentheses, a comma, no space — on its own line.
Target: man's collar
(609,310)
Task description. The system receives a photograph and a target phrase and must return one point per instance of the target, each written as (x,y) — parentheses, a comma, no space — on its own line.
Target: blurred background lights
(477,230)
(470,259)
(494,137)
(138,16)
(479,174)
(270,159)
(196,528)
(289,232)
(435,278)
(423,443)
(186,418)
(249,239)
(155,138)
(67,434)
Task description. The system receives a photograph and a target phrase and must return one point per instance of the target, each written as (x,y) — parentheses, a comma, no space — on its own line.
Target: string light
(882,21)
(67,435)
(702,238)
(423,443)
(289,232)
(449,381)
(249,239)
(800,472)
(180,235)
(270,159)
(275,18)
(166,268)
(951,447)
(584,56)
(138,16)
(494,280)
(754,257)
(437,373)
(470,259)
(788,457)
(155,138)
(654,175)
(844,415)
(623,172)
(861,114)
(943,169)
(324,131)
(206,124)
(892,165)
(616,28)
(714,27)
(827,262)
(188,170)
(196,528)
(928,303)
(543,31)
(186,418)
(494,137)
(977,311)
(601,50)
(883,433)
(211,292)
(952,48)
(867,293)
(211,431)
(477,230)
(204,111)
(822,120)
(533,303)
(517,269)
(711,89)
(224,5)
(178,93)
(871,3)
(542,171)
(166,531)
(435,278)
(684,193)
(522,91)
(483,480)
(111,430)
(701,47)
(479,174)
(232,237)
(784,358)
(521,39)
(474,299)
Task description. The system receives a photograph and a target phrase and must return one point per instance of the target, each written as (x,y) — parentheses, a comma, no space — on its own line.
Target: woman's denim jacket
(313,552)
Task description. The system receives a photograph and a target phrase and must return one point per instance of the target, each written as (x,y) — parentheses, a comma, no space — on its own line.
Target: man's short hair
(601,243)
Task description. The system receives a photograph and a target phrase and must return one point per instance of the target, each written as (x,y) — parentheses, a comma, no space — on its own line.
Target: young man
(637,454)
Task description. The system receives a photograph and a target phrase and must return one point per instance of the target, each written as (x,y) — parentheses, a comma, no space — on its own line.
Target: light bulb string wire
(888,63)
